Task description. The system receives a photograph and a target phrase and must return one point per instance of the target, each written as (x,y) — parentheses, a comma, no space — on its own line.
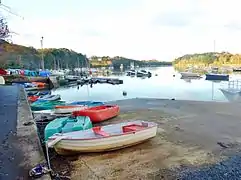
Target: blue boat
(217,77)
(87,103)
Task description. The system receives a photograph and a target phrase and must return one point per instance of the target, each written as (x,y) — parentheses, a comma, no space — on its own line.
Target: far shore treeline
(213,59)
(17,56)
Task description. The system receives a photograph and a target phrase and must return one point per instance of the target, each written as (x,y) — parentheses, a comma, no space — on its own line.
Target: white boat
(131,72)
(105,138)
(67,109)
(50,97)
(2,80)
(189,74)
(232,94)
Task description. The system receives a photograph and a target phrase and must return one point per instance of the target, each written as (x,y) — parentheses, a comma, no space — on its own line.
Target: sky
(138,29)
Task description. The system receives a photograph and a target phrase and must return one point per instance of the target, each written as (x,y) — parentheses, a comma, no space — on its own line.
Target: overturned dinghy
(105,138)
(67,124)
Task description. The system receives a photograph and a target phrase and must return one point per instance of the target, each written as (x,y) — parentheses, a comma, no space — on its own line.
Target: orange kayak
(99,113)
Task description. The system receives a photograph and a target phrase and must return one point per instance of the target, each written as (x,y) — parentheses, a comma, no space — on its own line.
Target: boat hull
(68,109)
(66,147)
(189,74)
(232,95)
(99,115)
(217,77)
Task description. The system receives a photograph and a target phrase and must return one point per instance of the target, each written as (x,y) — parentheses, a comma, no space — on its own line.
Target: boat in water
(131,72)
(143,73)
(233,91)
(190,75)
(103,138)
(99,113)
(217,77)
(67,124)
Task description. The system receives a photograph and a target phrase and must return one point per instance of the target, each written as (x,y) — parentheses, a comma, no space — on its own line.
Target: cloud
(140,29)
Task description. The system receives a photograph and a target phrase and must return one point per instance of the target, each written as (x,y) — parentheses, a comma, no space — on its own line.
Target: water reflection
(164,85)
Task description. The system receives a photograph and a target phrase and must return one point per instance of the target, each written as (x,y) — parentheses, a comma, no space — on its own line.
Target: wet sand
(190,134)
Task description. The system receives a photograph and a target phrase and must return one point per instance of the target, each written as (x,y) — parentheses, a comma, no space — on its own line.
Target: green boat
(67,124)
(45,105)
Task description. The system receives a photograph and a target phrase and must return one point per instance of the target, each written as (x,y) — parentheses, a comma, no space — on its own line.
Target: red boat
(99,113)
(33,98)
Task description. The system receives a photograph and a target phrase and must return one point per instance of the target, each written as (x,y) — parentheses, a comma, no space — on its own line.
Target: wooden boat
(105,138)
(45,105)
(67,124)
(99,113)
(65,109)
(50,97)
(87,103)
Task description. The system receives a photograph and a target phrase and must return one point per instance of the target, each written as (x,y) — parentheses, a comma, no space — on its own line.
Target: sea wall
(27,137)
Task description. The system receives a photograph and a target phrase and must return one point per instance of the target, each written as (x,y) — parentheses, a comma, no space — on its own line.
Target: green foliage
(17,56)
(210,58)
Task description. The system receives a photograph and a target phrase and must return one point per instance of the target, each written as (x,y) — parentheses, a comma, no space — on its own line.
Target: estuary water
(165,83)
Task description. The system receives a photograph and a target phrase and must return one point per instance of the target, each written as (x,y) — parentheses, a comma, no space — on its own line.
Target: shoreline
(189,136)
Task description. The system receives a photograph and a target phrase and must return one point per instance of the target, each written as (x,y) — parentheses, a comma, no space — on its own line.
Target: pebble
(226,170)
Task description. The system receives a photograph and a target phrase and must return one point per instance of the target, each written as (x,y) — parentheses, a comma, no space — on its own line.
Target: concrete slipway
(195,140)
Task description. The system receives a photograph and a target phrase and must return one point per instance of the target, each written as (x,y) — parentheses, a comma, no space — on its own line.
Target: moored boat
(65,109)
(99,113)
(189,75)
(217,77)
(105,138)
(67,124)
(232,94)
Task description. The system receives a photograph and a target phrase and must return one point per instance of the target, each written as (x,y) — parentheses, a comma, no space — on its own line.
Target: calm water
(162,86)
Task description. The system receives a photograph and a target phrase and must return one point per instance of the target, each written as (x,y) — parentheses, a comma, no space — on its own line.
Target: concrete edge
(27,137)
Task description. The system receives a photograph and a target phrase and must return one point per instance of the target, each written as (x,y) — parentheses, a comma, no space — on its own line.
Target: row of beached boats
(73,129)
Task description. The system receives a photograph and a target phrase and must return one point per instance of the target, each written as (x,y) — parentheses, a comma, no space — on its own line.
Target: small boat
(87,103)
(190,75)
(71,78)
(237,69)
(103,138)
(33,98)
(132,72)
(217,77)
(67,109)
(2,80)
(50,97)
(143,73)
(45,105)
(232,94)
(67,124)
(38,93)
(99,113)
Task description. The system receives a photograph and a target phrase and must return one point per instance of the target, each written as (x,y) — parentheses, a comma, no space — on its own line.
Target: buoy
(124,93)
(174,75)
(156,74)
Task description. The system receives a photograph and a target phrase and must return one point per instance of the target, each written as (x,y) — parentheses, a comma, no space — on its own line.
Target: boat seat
(81,123)
(132,128)
(68,127)
(97,130)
